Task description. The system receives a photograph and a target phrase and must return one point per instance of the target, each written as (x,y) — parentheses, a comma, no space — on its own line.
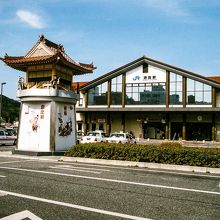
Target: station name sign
(154,75)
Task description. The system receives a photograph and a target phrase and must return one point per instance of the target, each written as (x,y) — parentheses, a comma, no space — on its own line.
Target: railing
(46,84)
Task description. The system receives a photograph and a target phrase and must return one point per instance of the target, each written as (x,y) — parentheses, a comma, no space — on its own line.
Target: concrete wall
(40,121)
(218,99)
(116,122)
(65,126)
(34,130)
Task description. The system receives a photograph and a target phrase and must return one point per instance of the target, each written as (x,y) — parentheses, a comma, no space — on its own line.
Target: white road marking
(114,180)
(182,173)
(83,168)
(22,215)
(15,161)
(101,211)
(152,170)
(3,194)
(2,176)
(63,168)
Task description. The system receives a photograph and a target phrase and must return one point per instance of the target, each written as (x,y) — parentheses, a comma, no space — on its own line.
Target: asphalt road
(36,189)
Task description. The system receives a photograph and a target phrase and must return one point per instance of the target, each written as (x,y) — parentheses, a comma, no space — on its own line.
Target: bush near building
(166,153)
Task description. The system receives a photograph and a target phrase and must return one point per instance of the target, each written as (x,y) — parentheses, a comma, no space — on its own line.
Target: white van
(7,138)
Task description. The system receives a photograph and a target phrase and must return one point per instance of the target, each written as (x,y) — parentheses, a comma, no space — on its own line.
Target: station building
(152,100)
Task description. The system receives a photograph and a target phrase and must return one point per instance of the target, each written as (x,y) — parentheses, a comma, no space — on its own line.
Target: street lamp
(2,84)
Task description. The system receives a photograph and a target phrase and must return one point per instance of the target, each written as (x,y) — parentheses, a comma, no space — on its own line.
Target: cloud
(30,18)
(168,7)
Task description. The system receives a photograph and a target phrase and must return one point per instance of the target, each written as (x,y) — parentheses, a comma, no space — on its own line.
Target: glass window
(199,86)
(190,85)
(179,86)
(207,97)
(176,82)
(145,94)
(198,93)
(116,90)
(172,87)
(207,87)
(98,95)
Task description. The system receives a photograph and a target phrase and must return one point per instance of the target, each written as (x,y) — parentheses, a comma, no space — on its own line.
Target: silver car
(7,138)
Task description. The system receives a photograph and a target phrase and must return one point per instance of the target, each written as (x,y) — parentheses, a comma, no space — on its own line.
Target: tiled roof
(215,78)
(58,54)
(76,84)
(17,60)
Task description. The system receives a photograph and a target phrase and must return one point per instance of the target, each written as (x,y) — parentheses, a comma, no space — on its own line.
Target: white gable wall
(40,50)
(154,75)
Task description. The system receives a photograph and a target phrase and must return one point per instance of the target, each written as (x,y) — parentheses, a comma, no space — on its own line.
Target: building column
(86,99)
(213,97)
(167,89)
(167,127)
(213,127)
(123,122)
(109,94)
(184,90)
(123,89)
(184,127)
(108,124)
(86,123)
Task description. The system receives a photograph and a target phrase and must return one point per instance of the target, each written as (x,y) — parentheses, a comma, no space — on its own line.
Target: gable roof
(140,61)
(46,51)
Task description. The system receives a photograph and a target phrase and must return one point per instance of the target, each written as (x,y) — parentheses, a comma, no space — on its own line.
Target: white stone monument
(47,116)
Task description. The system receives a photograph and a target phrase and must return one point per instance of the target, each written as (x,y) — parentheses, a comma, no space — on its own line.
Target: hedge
(166,153)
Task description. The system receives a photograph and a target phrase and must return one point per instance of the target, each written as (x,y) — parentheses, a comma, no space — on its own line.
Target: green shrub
(167,153)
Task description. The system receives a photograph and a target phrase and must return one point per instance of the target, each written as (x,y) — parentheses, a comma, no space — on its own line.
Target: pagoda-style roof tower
(48,98)
(47,64)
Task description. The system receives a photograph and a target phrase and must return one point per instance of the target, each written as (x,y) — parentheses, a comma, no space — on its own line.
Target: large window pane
(172,77)
(179,86)
(207,87)
(98,95)
(176,82)
(199,86)
(145,94)
(198,93)
(116,90)
(207,97)
(199,97)
(190,85)
(172,87)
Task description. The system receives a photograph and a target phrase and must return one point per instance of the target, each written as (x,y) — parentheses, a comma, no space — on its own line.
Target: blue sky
(111,33)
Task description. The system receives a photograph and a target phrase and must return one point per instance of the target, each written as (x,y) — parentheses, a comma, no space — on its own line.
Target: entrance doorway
(176,130)
(199,131)
(154,130)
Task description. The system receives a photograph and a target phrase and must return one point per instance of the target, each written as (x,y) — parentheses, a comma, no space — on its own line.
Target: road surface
(40,189)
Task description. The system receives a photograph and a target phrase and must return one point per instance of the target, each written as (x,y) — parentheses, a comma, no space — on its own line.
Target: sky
(112,33)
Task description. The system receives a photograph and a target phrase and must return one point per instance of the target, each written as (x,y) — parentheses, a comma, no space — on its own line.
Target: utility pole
(2,84)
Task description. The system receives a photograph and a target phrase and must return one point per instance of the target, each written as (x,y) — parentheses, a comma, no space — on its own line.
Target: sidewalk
(115,163)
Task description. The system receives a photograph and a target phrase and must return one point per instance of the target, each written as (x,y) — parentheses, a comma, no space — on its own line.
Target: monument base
(36,153)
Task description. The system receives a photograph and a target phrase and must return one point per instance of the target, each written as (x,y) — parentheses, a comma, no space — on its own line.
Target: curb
(142,165)
(117,163)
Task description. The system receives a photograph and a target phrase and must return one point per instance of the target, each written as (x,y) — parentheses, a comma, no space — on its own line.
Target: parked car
(80,135)
(7,138)
(93,137)
(121,137)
